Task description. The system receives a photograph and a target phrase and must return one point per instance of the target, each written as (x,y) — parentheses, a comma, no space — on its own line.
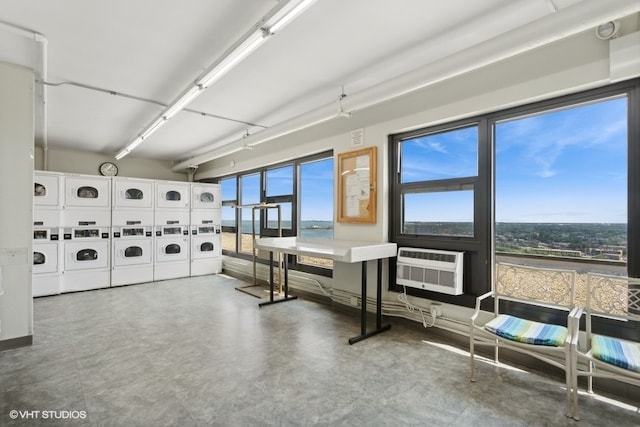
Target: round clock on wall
(108,169)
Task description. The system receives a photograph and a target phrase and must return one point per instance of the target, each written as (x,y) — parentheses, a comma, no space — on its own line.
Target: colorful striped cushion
(623,354)
(526,331)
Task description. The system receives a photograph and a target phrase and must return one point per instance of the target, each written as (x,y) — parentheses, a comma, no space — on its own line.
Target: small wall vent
(430,269)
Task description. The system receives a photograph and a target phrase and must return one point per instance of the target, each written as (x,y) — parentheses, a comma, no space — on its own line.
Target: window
(556,184)
(561,188)
(249,195)
(316,213)
(228,213)
(303,188)
(279,190)
(438,173)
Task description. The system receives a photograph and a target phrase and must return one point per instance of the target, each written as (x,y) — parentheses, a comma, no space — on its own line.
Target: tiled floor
(196,352)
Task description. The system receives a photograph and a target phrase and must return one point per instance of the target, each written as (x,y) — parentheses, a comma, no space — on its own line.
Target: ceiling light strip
(230,59)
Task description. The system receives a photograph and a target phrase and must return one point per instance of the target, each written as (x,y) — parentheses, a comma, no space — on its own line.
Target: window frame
(476,246)
(478,267)
(293,198)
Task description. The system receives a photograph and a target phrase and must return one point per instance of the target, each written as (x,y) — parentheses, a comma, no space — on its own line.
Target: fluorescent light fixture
(151,129)
(182,102)
(244,49)
(129,148)
(289,16)
(122,153)
(135,143)
(232,60)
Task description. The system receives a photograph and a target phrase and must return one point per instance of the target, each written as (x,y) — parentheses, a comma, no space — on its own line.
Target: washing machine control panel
(45,234)
(139,231)
(85,233)
(173,230)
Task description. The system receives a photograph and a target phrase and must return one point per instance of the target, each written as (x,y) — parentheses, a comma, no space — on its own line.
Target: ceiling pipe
(43,66)
(561,24)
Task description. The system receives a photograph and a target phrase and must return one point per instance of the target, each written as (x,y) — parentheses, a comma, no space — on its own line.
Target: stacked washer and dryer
(86,228)
(171,219)
(47,247)
(94,232)
(206,247)
(132,231)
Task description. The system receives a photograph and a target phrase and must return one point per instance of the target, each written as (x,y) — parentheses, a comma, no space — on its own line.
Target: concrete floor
(196,352)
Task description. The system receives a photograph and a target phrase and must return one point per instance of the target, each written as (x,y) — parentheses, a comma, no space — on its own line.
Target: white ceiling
(154,49)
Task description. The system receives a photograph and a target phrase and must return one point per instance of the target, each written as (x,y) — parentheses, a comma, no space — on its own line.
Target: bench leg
(472,355)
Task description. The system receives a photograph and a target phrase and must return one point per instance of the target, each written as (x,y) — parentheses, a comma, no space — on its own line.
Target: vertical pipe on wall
(43,77)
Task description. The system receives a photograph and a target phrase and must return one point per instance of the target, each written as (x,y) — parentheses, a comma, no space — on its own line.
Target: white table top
(338,250)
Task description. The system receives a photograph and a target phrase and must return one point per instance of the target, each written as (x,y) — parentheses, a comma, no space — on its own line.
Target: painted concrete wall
(83,162)
(16,193)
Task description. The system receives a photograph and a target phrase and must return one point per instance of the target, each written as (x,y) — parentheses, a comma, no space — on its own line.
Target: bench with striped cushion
(526,331)
(624,354)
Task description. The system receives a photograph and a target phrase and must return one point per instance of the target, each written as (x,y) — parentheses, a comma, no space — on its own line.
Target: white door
(205,196)
(132,252)
(172,195)
(79,255)
(132,193)
(172,249)
(46,190)
(205,246)
(87,192)
(45,257)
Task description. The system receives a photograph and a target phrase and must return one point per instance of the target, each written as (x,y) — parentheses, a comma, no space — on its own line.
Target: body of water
(309,229)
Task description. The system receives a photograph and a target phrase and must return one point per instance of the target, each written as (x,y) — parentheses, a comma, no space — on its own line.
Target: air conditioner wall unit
(430,269)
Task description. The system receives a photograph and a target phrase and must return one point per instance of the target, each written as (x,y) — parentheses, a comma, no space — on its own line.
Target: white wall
(564,67)
(16,194)
(83,162)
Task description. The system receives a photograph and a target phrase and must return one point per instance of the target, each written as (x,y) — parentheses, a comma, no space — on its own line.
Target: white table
(340,251)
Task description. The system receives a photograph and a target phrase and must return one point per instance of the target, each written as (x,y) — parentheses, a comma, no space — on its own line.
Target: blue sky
(565,166)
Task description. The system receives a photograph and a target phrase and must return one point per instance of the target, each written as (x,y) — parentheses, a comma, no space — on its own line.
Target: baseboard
(16,342)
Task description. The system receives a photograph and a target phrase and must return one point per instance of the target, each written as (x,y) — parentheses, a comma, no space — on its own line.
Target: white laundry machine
(172,203)
(87,201)
(47,265)
(47,199)
(132,201)
(86,258)
(131,254)
(205,196)
(206,250)
(172,195)
(172,259)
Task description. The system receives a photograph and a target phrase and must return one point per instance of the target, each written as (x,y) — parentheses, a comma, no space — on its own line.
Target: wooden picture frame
(357,186)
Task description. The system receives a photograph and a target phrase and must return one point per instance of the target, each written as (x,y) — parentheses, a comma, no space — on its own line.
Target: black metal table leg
(286,283)
(363,310)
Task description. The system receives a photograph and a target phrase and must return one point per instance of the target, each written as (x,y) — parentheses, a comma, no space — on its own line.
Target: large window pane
(228,188)
(285,216)
(279,181)
(561,188)
(444,155)
(250,195)
(316,205)
(441,213)
(228,214)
